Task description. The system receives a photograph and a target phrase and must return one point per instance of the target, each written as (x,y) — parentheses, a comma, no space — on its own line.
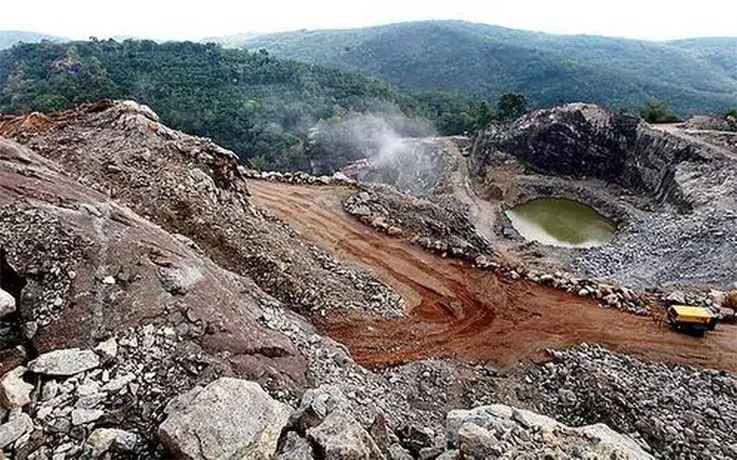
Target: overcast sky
(184,19)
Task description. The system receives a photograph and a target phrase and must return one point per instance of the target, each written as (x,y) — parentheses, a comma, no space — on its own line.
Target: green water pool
(561,222)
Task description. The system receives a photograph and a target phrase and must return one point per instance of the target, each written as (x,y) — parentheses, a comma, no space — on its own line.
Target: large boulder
(229,418)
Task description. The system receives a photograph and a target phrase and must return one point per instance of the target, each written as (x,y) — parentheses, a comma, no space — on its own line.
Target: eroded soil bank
(456,310)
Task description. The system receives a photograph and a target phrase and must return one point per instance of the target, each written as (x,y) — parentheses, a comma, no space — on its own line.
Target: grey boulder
(229,418)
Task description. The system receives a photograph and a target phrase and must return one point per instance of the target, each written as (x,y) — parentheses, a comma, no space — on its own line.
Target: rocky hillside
(149,309)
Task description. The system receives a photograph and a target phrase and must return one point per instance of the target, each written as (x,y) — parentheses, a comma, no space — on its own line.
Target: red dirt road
(456,310)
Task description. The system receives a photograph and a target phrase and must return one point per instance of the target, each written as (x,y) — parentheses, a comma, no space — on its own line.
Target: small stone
(118,383)
(7,304)
(14,429)
(50,390)
(103,440)
(109,280)
(84,416)
(29,329)
(65,362)
(14,391)
(108,349)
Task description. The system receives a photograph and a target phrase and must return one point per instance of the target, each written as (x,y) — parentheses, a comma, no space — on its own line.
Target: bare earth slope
(455,310)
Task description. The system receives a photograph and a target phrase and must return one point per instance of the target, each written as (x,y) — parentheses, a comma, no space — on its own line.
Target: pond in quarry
(561,222)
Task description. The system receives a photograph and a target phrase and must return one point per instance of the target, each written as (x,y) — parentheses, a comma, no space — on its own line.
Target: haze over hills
(9,38)
(698,75)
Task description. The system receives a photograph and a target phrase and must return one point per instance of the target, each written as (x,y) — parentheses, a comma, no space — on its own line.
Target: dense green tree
(484,61)
(658,112)
(732,113)
(511,106)
(256,105)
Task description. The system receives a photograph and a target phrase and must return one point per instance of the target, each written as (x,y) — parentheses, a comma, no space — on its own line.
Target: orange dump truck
(694,320)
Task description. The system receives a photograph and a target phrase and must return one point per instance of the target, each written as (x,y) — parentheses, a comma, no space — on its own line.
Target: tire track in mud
(454,310)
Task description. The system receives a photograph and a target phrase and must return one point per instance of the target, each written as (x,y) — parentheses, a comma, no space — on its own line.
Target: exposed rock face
(576,140)
(67,242)
(685,190)
(583,140)
(229,418)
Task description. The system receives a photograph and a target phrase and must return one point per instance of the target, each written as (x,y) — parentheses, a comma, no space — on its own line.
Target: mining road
(455,310)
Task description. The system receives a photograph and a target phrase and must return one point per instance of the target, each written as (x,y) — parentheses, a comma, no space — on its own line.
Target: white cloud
(651,19)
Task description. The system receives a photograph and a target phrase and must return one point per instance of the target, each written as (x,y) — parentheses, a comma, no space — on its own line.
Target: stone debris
(227,418)
(501,431)
(65,362)
(676,410)
(108,349)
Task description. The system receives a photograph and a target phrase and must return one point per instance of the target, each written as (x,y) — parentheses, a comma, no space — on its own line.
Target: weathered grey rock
(104,440)
(108,349)
(64,362)
(500,431)
(229,418)
(84,416)
(7,304)
(397,452)
(676,297)
(295,447)
(610,442)
(341,437)
(478,442)
(315,405)
(14,391)
(14,429)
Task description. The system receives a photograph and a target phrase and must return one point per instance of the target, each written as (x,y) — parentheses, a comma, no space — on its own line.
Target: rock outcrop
(583,140)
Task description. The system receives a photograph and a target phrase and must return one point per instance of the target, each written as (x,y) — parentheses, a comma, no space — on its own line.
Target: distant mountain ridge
(696,75)
(9,38)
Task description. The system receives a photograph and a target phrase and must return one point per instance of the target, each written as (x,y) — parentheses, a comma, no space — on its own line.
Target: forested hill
(694,76)
(254,104)
(9,38)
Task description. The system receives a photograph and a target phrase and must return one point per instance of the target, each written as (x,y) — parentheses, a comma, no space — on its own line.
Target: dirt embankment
(455,310)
